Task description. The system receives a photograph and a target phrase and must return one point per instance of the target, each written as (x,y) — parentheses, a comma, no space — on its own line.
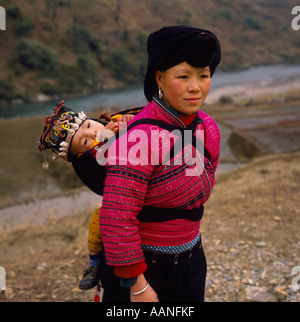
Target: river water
(134,96)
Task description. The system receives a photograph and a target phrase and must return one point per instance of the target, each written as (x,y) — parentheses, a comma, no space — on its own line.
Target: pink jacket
(144,181)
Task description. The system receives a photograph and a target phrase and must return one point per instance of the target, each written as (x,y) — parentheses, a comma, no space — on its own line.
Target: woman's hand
(148,295)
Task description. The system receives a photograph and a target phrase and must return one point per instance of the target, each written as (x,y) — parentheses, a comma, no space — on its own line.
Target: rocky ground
(250,234)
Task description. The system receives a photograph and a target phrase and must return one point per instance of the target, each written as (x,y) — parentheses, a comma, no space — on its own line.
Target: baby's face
(85,136)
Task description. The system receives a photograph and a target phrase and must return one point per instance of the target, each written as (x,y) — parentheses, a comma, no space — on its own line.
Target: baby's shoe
(90,278)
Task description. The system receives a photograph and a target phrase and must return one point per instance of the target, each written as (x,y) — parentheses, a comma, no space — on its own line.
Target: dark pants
(175,278)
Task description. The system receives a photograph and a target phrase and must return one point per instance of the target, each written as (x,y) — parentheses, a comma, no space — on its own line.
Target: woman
(151,209)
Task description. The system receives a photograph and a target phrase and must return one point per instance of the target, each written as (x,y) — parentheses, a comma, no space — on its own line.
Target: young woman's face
(184,87)
(85,136)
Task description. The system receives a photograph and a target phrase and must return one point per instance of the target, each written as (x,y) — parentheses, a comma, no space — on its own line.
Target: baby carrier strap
(171,127)
(156,214)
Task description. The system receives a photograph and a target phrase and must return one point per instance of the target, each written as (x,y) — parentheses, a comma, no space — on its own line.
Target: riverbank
(227,87)
(249,230)
(255,91)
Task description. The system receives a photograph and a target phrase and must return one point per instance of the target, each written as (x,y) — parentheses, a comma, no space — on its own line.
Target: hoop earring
(160,93)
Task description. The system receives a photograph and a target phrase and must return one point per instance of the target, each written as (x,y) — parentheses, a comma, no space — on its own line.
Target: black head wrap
(173,45)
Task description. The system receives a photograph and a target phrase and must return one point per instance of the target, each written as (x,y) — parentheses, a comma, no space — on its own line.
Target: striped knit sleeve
(123,198)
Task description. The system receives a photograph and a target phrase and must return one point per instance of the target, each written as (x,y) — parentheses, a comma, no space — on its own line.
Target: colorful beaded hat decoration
(60,129)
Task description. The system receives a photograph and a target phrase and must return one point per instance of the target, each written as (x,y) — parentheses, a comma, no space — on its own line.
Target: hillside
(71,47)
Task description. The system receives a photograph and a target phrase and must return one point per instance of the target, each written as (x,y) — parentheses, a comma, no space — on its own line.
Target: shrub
(79,38)
(23,27)
(119,63)
(32,55)
(226,14)
(50,89)
(14,12)
(85,64)
(6,90)
(82,41)
(252,23)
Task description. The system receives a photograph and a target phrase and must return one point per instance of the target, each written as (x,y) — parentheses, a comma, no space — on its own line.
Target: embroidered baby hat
(59,130)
